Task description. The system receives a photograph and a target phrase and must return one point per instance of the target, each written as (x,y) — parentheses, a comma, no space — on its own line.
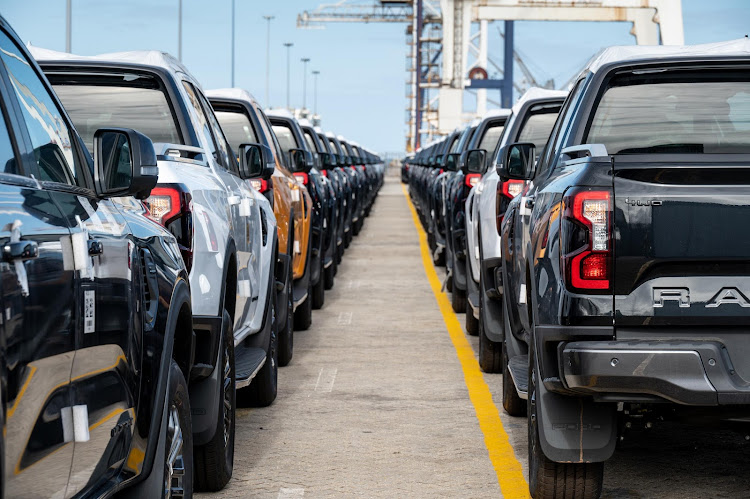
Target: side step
(519,371)
(247,362)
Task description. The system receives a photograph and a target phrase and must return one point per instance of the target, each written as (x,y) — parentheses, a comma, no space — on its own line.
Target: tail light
(587,237)
(302,176)
(260,185)
(505,192)
(472,179)
(324,173)
(172,206)
(441,171)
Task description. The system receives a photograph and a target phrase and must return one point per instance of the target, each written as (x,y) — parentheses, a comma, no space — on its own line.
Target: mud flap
(204,400)
(574,429)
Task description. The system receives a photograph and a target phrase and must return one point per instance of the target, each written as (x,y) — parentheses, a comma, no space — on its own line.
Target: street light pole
(288,46)
(179,31)
(315,92)
(233,43)
(68,24)
(304,60)
(268,55)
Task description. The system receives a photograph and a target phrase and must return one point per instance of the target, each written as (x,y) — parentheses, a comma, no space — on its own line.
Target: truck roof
(537,93)
(625,53)
(231,93)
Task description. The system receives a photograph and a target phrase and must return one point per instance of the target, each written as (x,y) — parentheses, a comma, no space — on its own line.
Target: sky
(361,86)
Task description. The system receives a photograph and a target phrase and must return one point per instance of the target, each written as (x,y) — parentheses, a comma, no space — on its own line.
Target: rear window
(538,125)
(122,101)
(684,113)
(237,128)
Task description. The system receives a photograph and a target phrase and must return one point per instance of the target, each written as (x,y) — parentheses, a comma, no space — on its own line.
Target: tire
(319,291)
(264,387)
(458,300)
(551,480)
(214,461)
(303,314)
(472,323)
(178,425)
(329,275)
(286,335)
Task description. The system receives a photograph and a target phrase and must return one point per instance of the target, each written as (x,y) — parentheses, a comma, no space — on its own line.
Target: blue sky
(361,90)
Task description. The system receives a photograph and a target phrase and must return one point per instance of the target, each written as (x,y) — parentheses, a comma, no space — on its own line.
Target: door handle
(95,247)
(20,250)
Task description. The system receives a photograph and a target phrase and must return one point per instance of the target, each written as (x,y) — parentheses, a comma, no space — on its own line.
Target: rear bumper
(698,373)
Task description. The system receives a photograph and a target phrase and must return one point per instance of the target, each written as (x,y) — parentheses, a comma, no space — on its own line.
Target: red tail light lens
(472,179)
(259,185)
(302,176)
(172,206)
(587,233)
(441,171)
(512,188)
(324,173)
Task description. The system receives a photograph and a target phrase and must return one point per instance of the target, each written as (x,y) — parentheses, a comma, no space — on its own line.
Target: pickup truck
(530,120)
(225,229)
(625,265)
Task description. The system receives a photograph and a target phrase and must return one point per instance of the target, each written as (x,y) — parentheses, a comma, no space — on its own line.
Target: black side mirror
(256,161)
(451,161)
(475,161)
(327,160)
(125,163)
(517,161)
(297,160)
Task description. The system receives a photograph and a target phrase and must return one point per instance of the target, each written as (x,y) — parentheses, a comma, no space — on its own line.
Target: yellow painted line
(508,469)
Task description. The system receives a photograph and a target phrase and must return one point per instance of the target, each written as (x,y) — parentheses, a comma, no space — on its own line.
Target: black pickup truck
(625,259)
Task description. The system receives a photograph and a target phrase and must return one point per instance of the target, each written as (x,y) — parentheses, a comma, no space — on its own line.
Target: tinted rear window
(128,101)
(685,113)
(492,136)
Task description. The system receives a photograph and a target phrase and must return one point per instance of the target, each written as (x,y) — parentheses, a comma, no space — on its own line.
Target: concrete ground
(375,403)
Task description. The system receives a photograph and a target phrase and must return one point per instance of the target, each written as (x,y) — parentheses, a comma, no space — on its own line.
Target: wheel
(328,275)
(178,465)
(286,334)
(214,461)
(551,480)
(472,323)
(490,354)
(356,227)
(319,290)
(263,388)
(458,300)
(303,314)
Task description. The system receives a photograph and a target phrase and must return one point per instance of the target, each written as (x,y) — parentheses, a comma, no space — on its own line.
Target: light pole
(232,43)
(268,55)
(288,46)
(179,30)
(304,60)
(68,24)
(315,92)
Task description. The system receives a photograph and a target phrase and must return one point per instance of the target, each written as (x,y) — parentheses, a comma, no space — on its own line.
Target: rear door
(39,317)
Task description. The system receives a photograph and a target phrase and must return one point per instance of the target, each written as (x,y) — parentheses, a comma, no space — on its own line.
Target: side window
(553,145)
(310,141)
(224,150)
(51,139)
(204,126)
(285,137)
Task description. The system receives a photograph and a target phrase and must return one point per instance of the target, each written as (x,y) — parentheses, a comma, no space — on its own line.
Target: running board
(519,371)
(248,361)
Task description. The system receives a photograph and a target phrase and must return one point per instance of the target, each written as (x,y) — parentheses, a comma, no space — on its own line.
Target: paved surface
(374,403)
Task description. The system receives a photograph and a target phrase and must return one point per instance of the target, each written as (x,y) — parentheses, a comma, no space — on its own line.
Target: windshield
(237,128)
(138,103)
(674,113)
(538,125)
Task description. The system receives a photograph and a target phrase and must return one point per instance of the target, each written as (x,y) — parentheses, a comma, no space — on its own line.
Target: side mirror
(125,163)
(256,161)
(297,160)
(517,161)
(451,161)
(326,160)
(475,161)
